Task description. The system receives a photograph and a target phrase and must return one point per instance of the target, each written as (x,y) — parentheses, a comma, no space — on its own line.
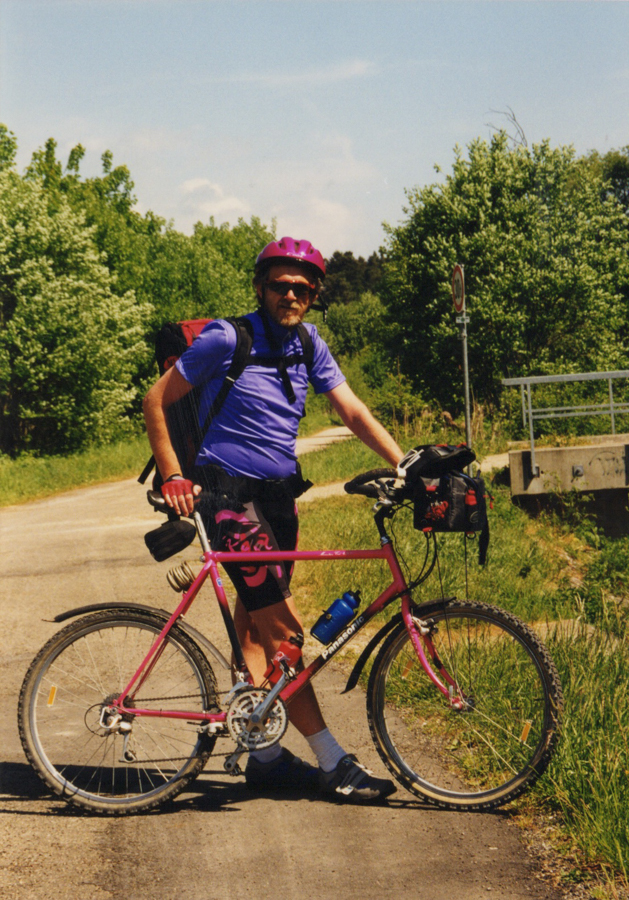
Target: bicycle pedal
(231,763)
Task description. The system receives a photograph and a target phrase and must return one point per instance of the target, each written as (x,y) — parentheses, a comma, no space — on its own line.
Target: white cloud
(327,196)
(192,185)
(330,166)
(331,74)
(205,198)
(328,224)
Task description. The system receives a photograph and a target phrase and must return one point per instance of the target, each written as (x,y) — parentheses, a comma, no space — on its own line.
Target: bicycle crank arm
(260,713)
(231,763)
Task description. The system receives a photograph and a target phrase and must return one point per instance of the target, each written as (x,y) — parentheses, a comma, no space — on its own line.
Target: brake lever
(389,489)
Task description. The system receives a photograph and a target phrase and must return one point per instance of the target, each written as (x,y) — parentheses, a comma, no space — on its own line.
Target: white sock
(268,754)
(327,750)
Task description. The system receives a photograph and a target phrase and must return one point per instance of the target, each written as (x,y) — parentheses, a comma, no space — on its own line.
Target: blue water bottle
(334,620)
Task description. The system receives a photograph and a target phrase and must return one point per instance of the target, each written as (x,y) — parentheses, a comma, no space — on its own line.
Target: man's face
(287,309)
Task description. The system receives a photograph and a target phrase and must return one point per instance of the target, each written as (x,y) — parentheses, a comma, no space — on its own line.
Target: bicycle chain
(166,759)
(172,758)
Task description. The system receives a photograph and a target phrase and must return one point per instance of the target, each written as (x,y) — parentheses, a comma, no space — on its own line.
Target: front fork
(420,632)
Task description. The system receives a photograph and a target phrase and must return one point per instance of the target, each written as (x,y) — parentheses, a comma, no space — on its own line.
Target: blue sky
(318,114)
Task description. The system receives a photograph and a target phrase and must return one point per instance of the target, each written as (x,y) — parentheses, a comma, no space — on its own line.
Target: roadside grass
(530,572)
(588,782)
(340,461)
(32,478)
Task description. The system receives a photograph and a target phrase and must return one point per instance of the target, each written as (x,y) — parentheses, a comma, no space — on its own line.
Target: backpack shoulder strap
(306,345)
(242,356)
(242,352)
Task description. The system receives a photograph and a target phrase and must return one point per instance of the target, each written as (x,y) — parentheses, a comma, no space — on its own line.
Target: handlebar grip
(360,484)
(156,500)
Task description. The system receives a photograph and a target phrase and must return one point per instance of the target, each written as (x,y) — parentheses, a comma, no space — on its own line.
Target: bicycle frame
(211,561)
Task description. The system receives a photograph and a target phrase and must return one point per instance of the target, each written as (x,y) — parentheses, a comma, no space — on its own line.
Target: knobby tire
(488,752)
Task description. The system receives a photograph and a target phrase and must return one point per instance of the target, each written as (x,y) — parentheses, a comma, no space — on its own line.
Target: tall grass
(589,778)
(522,575)
(340,461)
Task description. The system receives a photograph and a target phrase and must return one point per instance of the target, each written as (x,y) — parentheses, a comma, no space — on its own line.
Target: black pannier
(455,502)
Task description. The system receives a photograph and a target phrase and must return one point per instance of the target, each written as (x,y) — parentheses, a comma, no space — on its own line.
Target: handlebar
(157,501)
(368,484)
(364,483)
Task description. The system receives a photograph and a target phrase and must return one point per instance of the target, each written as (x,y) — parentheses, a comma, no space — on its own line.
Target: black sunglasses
(300,290)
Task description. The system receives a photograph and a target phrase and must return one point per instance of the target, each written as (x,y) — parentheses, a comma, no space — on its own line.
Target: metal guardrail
(531,414)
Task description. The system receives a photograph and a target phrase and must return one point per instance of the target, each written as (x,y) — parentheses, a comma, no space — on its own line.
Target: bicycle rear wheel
(500,739)
(79,672)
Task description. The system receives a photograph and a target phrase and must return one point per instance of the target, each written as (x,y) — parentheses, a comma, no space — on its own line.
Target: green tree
(356,326)
(203,275)
(8,148)
(348,276)
(613,167)
(545,250)
(68,345)
(106,203)
(85,282)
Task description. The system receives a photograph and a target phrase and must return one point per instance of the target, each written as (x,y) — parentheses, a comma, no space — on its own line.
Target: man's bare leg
(260,633)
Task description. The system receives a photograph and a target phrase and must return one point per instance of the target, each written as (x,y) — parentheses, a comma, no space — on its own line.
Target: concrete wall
(589,467)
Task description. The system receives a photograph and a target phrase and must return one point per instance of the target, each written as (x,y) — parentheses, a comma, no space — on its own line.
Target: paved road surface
(216,841)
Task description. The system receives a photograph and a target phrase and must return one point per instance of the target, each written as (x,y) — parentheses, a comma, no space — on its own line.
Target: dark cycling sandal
(286,773)
(353,782)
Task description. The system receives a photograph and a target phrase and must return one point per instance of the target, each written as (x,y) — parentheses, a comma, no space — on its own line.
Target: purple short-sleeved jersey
(255,431)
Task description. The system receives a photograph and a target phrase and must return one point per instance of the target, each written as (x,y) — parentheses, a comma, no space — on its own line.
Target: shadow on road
(19,782)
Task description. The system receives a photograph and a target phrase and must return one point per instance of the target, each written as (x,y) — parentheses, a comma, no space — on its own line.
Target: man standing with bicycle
(248,466)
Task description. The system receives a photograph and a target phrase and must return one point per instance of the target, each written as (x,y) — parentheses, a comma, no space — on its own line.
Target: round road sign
(458,289)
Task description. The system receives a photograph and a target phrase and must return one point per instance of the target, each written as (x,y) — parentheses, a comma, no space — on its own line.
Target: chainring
(264,735)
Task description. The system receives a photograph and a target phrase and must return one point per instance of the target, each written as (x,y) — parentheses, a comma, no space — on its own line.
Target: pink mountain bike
(120,710)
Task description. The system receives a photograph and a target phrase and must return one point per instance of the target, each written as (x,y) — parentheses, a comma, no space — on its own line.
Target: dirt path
(216,841)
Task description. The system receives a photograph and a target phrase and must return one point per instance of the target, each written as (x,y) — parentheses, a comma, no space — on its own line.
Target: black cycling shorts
(235,521)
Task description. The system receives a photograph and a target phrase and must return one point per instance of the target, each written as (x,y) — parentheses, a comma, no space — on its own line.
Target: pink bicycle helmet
(290,250)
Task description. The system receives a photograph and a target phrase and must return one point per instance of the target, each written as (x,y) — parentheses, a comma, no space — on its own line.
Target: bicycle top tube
(264,556)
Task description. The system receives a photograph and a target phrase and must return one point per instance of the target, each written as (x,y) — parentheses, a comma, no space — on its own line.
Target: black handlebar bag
(446,499)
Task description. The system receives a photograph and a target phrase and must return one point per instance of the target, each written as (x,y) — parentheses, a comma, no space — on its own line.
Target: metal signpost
(458,298)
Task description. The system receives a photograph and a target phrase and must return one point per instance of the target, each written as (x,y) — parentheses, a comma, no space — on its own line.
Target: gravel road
(216,840)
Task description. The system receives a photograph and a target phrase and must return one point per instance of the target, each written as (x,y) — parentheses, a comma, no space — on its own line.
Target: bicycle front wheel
(78,673)
(494,735)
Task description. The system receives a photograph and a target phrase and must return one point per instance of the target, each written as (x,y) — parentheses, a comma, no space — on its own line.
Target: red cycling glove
(176,488)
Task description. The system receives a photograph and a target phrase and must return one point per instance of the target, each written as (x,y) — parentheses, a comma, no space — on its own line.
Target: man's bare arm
(358,419)
(170,388)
